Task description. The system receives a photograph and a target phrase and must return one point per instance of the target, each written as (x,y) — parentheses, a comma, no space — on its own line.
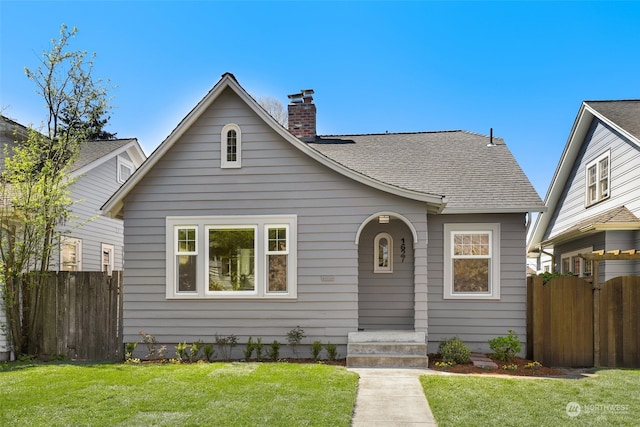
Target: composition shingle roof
(456,164)
(624,113)
(93,150)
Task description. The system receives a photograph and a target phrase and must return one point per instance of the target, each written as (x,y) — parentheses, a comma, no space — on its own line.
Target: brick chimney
(302,115)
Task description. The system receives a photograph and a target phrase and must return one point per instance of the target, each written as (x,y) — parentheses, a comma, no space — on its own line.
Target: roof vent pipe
(491,144)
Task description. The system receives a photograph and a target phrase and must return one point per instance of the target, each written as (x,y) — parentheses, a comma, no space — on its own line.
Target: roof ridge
(395,133)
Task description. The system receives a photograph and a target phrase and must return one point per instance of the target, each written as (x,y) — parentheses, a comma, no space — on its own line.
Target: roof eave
(512,209)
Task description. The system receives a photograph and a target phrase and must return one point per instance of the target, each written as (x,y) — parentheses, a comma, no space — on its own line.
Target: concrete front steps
(387,349)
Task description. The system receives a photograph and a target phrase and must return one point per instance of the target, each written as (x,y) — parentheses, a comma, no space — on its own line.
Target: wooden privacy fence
(80,316)
(574,323)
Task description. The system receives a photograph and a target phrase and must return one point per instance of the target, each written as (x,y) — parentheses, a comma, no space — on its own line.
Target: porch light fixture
(383,219)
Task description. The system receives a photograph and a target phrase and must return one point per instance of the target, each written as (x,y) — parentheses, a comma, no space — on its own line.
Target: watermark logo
(573,409)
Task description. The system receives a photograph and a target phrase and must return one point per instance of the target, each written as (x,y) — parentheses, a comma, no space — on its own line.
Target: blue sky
(521,68)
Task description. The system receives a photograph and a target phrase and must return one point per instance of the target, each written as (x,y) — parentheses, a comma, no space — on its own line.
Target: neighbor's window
(245,257)
(125,169)
(383,253)
(576,265)
(70,254)
(598,179)
(107,254)
(472,261)
(231,140)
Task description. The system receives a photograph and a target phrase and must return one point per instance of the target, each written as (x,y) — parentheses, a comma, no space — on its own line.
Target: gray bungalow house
(89,241)
(594,197)
(238,225)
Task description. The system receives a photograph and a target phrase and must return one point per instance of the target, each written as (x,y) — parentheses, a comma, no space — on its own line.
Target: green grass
(610,398)
(216,394)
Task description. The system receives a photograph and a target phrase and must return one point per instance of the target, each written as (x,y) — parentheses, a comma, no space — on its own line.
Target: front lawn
(611,397)
(211,394)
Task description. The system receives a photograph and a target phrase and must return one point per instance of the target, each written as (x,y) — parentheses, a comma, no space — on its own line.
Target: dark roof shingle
(456,164)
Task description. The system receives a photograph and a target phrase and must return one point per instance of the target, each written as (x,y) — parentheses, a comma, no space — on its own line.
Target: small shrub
(273,352)
(248,351)
(510,367)
(257,346)
(153,350)
(225,345)
(209,352)
(129,348)
(132,361)
(294,338)
(454,350)
(181,351)
(444,365)
(316,348)
(194,349)
(332,351)
(533,365)
(505,348)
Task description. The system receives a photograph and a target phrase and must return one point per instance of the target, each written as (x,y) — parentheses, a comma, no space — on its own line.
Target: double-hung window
(231,146)
(598,176)
(232,257)
(472,261)
(70,254)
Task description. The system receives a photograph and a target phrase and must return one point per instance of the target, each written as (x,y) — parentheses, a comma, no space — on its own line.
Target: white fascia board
(127,147)
(565,165)
(515,209)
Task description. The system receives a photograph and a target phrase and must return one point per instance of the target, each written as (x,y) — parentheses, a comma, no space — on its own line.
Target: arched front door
(385,276)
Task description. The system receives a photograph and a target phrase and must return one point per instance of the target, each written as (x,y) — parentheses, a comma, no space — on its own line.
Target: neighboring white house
(594,197)
(89,242)
(237,225)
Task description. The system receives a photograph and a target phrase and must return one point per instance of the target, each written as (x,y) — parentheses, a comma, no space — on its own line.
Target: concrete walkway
(391,397)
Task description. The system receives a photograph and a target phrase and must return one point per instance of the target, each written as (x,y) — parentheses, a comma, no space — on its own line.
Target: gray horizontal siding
(477,321)
(89,193)
(624,185)
(275,178)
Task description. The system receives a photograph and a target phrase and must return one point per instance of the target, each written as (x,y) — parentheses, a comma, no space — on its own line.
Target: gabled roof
(619,218)
(473,176)
(370,159)
(623,116)
(92,153)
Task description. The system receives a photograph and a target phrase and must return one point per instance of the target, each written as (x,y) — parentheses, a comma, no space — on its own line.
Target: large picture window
(598,179)
(231,257)
(472,261)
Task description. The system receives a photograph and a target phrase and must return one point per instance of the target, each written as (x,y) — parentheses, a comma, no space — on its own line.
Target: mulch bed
(468,368)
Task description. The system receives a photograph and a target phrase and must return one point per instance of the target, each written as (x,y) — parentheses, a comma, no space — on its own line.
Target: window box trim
(202,225)
(224,162)
(494,265)
(596,162)
(376,253)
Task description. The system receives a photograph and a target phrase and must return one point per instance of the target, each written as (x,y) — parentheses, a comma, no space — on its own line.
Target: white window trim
(494,266)
(569,256)
(267,252)
(171,260)
(126,163)
(106,247)
(204,223)
(224,163)
(78,243)
(376,253)
(596,162)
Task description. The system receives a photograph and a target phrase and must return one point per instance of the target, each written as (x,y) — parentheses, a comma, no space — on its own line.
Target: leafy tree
(35,181)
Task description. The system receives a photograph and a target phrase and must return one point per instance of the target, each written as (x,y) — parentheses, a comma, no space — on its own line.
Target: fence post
(596,315)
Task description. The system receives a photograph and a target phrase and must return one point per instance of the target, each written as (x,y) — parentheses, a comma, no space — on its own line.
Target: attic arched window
(231,146)
(383,253)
